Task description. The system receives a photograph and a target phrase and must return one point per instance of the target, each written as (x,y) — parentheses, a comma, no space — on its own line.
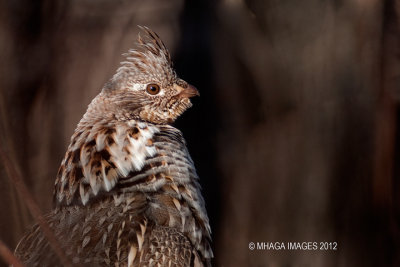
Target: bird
(127,192)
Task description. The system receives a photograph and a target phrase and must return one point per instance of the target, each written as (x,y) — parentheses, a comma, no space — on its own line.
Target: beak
(187,92)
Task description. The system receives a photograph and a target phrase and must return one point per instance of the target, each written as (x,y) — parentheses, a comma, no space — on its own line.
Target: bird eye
(153,89)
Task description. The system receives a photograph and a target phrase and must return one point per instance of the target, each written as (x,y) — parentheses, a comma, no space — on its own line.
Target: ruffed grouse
(127,192)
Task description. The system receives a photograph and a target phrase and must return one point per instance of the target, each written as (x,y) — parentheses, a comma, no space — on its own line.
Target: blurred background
(295,136)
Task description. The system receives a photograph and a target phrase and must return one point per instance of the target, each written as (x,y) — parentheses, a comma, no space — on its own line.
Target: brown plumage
(127,192)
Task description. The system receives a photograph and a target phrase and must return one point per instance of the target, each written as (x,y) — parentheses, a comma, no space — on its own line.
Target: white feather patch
(140,240)
(84,196)
(138,86)
(95,184)
(128,147)
(127,153)
(100,141)
(132,256)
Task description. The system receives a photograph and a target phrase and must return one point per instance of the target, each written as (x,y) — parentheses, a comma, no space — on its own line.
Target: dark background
(295,136)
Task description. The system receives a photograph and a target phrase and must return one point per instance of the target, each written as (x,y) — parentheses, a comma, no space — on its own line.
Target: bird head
(146,86)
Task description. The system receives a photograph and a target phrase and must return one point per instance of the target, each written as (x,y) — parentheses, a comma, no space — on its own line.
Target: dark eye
(153,89)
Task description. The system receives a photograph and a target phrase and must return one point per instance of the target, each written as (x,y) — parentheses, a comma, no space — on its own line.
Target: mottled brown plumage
(127,192)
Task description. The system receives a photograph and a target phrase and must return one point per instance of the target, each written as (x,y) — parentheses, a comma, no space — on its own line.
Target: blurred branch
(8,256)
(16,179)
